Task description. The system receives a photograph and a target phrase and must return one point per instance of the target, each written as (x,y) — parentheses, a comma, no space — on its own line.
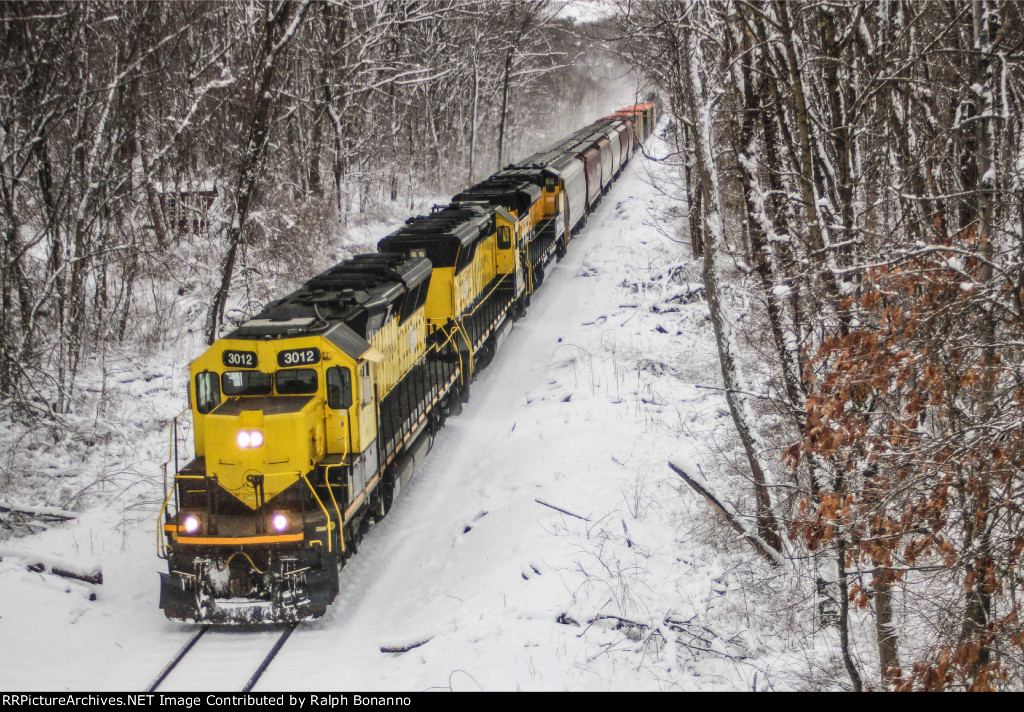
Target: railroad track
(225,657)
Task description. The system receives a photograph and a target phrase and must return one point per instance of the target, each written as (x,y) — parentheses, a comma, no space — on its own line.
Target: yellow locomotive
(310,417)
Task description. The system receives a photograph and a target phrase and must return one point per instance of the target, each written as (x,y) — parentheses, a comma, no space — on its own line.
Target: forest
(135,133)
(850,177)
(854,175)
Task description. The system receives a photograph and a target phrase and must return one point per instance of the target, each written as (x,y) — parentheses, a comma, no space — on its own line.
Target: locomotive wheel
(352,541)
(396,489)
(343,556)
(359,529)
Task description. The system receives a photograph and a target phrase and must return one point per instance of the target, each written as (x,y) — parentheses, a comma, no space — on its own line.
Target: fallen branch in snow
(634,630)
(94,577)
(734,390)
(405,647)
(693,636)
(56,567)
(563,511)
(769,554)
(45,514)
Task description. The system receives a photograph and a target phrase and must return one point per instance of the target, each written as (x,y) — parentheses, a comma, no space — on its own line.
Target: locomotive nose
(275,436)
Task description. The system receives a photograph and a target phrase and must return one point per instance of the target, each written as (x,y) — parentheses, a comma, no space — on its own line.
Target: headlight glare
(249,438)
(279,522)
(190,524)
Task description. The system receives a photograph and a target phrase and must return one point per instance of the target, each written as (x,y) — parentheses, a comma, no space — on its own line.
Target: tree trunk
(844,617)
(885,632)
(701,110)
(472,125)
(506,79)
(275,38)
(693,199)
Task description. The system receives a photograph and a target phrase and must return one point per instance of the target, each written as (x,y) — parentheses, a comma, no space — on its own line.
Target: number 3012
(298,357)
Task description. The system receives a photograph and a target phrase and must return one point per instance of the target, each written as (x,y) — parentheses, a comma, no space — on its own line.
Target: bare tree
(874,164)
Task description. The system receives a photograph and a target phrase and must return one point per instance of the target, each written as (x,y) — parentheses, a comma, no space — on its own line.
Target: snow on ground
(543,545)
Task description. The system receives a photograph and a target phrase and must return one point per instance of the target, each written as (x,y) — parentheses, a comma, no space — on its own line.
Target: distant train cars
(310,418)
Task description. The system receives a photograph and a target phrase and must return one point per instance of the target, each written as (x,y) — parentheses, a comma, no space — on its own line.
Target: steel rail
(253,679)
(177,659)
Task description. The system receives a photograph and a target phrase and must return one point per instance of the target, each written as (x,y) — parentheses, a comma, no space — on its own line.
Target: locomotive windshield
(245,383)
(290,382)
(207,391)
(296,381)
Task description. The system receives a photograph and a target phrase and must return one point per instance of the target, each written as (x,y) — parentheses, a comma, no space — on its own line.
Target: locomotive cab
(297,414)
(278,421)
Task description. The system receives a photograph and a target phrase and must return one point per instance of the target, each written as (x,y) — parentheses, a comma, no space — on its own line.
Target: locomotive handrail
(327,516)
(433,347)
(172,445)
(483,300)
(450,337)
(172,454)
(469,342)
(161,532)
(337,510)
(161,543)
(525,256)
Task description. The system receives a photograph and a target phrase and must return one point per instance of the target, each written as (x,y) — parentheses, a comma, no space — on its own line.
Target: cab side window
(339,388)
(207,391)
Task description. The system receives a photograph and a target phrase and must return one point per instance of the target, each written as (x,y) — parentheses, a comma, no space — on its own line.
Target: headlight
(279,522)
(249,438)
(190,524)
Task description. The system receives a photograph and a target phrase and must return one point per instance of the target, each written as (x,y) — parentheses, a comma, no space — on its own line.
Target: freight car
(310,417)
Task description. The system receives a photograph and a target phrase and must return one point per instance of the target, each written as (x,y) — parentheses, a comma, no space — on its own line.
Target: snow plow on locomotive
(310,417)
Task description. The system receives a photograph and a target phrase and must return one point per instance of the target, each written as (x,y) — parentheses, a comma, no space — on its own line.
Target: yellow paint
(549,202)
(295,442)
(451,294)
(508,260)
(400,346)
